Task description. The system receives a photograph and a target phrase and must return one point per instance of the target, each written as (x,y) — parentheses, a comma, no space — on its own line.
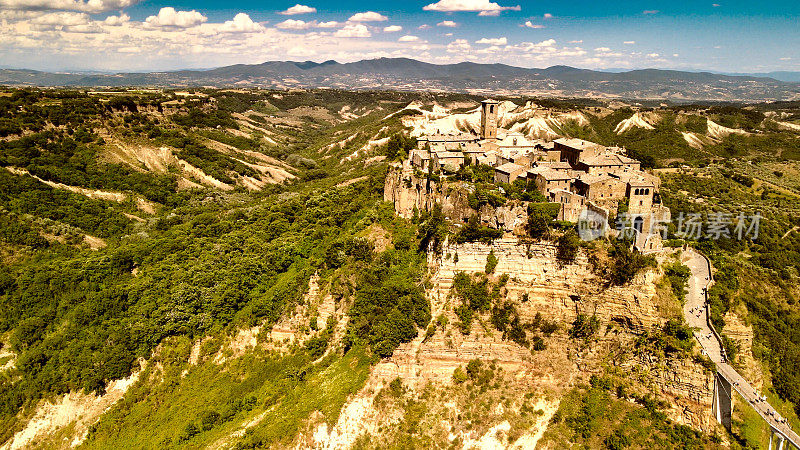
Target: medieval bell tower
(489,119)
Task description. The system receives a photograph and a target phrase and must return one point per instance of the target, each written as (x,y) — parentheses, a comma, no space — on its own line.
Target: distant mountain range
(410,74)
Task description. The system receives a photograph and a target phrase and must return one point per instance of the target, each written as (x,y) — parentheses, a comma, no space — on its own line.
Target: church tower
(489,119)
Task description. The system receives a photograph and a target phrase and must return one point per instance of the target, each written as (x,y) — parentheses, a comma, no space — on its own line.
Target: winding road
(695,311)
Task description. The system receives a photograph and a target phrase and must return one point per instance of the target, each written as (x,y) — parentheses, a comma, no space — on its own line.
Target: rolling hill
(412,75)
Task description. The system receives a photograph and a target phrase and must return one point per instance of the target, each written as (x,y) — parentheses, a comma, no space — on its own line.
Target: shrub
(459,376)
(491,263)
(584,327)
(567,247)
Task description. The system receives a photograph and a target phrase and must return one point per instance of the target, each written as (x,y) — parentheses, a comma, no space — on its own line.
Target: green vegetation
(475,232)
(674,338)
(541,217)
(678,276)
(600,416)
(567,246)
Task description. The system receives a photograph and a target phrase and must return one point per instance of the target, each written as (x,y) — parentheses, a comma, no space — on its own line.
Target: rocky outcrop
(408,193)
(555,290)
(688,387)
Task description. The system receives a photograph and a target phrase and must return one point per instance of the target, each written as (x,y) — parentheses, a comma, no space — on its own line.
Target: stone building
(508,172)
(489,110)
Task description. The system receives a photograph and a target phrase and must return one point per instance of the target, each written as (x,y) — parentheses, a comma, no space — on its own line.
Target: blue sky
(729,36)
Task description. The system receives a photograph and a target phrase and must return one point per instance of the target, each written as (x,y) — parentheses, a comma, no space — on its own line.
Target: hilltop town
(587,180)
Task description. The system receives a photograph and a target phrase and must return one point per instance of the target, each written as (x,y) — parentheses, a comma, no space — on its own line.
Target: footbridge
(727,379)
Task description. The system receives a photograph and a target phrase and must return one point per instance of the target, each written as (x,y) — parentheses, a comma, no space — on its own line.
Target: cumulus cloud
(484,7)
(408,38)
(241,23)
(492,41)
(447,23)
(169,17)
(459,46)
(298,9)
(115,21)
(89,6)
(392,29)
(353,31)
(293,24)
(548,16)
(530,24)
(369,16)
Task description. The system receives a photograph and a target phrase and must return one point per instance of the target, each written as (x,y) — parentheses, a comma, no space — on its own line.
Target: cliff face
(557,291)
(408,192)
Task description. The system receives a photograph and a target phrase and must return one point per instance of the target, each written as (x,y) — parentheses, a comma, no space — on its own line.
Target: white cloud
(715,5)
(602,49)
(675,55)
(115,21)
(653,55)
(579,41)
(168,17)
(424,26)
(408,38)
(650,11)
(353,31)
(293,24)
(459,46)
(241,23)
(369,16)
(484,7)
(629,42)
(392,29)
(447,23)
(298,9)
(493,41)
(89,6)
(548,16)
(785,58)
(301,51)
(530,24)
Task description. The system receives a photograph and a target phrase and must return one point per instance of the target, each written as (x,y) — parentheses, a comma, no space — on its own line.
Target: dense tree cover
(25,195)
(625,262)
(605,414)
(198,118)
(674,338)
(678,275)
(80,320)
(390,303)
(214,163)
(399,146)
(540,218)
(770,269)
(33,109)
(432,229)
(74,159)
(567,246)
(473,231)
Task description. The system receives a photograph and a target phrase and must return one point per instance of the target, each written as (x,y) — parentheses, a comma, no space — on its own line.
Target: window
(491,109)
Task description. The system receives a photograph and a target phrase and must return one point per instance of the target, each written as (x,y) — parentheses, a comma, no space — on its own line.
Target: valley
(268,268)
